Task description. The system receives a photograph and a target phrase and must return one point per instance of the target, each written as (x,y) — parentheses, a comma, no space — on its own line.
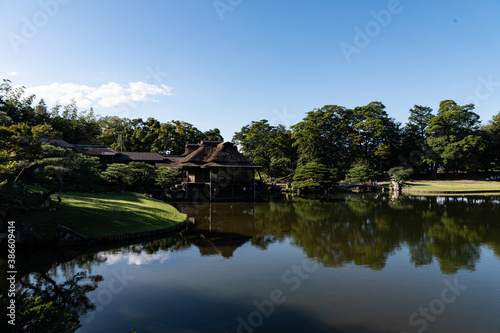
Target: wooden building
(211,170)
(107,155)
(214,170)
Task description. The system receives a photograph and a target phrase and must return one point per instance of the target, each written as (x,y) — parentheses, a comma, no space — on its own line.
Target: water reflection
(216,232)
(364,230)
(53,300)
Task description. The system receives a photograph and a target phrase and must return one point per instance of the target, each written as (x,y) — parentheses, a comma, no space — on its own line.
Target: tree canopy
(454,137)
(268,146)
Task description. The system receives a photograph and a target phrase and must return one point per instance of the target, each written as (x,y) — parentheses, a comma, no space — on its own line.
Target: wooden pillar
(187,183)
(254,196)
(210,176)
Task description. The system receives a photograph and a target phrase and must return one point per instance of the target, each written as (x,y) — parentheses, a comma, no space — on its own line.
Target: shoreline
(142,234)
(452,192)
(83,219)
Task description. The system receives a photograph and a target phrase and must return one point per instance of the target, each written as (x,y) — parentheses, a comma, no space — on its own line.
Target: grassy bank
(98,215)
(457,186)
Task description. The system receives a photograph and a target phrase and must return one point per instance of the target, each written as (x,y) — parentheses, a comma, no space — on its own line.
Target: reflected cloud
(137,258)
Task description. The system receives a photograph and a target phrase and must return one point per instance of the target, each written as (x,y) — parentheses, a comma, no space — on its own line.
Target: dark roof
(170,161)
(57,141)
(216,154)
(138,156)
(95,150)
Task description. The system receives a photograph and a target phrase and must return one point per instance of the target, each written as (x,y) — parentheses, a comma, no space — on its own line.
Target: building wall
(226,184)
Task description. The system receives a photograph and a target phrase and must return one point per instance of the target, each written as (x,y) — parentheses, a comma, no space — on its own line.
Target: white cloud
(107,95)
(12,73)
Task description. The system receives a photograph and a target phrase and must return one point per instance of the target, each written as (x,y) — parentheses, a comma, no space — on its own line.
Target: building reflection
(220,228)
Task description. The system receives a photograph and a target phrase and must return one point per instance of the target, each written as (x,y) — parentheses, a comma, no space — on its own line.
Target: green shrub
(361,172)
(400,173)
(313,177)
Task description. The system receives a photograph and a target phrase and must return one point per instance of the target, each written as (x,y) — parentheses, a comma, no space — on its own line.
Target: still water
(351,264)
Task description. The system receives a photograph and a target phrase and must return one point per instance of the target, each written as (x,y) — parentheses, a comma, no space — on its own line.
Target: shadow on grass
(99,216)
(113,197)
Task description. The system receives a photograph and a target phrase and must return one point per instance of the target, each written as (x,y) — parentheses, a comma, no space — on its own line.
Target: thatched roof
(190,147)
(95,150)
(215,154)
(202,153)
(227,152)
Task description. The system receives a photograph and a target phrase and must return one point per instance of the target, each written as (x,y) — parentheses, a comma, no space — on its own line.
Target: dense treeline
(329,144)
(23,156)
(348,141)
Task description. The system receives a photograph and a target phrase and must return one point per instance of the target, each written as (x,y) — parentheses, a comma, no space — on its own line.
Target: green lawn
(98,215)
(453,185)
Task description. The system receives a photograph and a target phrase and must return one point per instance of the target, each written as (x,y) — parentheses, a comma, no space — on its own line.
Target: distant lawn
(98,215)
(453,185)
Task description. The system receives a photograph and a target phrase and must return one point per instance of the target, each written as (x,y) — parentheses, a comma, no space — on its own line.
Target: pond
(356,263)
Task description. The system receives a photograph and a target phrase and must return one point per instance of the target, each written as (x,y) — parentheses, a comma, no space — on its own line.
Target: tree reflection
(366,230)
(357,229)
(53,297)
(53,300)
(352,231)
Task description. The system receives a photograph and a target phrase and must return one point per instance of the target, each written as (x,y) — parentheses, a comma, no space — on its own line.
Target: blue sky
(224,63)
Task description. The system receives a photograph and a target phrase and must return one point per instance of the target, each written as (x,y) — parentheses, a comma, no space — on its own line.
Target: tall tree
(268,146)
(418,122)
(325,136)
(415,138)
(112,129)
(213,135)
(15,104)
(491,158)
(78,127)
(454,138)
(376,136)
